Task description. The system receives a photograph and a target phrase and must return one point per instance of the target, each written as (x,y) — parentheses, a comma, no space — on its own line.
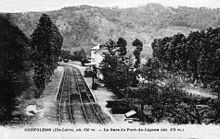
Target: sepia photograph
(103,69)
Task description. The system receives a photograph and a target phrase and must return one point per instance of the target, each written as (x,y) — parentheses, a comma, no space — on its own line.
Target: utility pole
(94,71)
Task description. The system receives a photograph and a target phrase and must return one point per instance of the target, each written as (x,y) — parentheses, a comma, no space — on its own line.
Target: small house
(96,55)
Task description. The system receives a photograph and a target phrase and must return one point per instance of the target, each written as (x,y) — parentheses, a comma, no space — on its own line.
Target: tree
(152,70)
(121,44)
(137,51)
(116,67)
(65,54)
(13,52)
(46,42)
(195,56)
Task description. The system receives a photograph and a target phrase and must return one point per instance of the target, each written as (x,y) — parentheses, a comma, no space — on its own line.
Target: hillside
(86,26)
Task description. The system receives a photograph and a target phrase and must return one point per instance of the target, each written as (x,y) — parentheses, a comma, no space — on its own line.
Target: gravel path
(47,102)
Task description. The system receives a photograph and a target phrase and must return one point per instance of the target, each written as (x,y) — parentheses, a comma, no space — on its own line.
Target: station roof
(97,47)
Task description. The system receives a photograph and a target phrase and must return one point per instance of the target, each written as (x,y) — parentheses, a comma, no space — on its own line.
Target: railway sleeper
(82,89)
(89,103)
(75,96)
(72,103)
(74,92)
(65,96)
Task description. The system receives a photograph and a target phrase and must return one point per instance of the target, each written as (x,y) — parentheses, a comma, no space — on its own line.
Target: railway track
(64,99)
(87,100)
(75,103)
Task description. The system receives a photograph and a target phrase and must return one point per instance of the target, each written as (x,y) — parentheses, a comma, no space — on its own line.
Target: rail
(78,79)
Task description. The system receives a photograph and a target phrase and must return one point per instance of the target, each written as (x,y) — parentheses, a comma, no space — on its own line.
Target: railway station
(75,100)
(109,67)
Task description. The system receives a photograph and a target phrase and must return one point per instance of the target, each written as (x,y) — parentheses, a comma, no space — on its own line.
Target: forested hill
(86,26)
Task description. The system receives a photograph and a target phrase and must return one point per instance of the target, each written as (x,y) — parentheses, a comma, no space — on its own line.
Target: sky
(48,5)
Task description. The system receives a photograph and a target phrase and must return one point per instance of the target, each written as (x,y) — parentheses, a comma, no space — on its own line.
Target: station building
(96,58)
(96,55)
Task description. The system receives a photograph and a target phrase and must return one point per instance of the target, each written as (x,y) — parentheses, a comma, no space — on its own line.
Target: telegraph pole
(94,71)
